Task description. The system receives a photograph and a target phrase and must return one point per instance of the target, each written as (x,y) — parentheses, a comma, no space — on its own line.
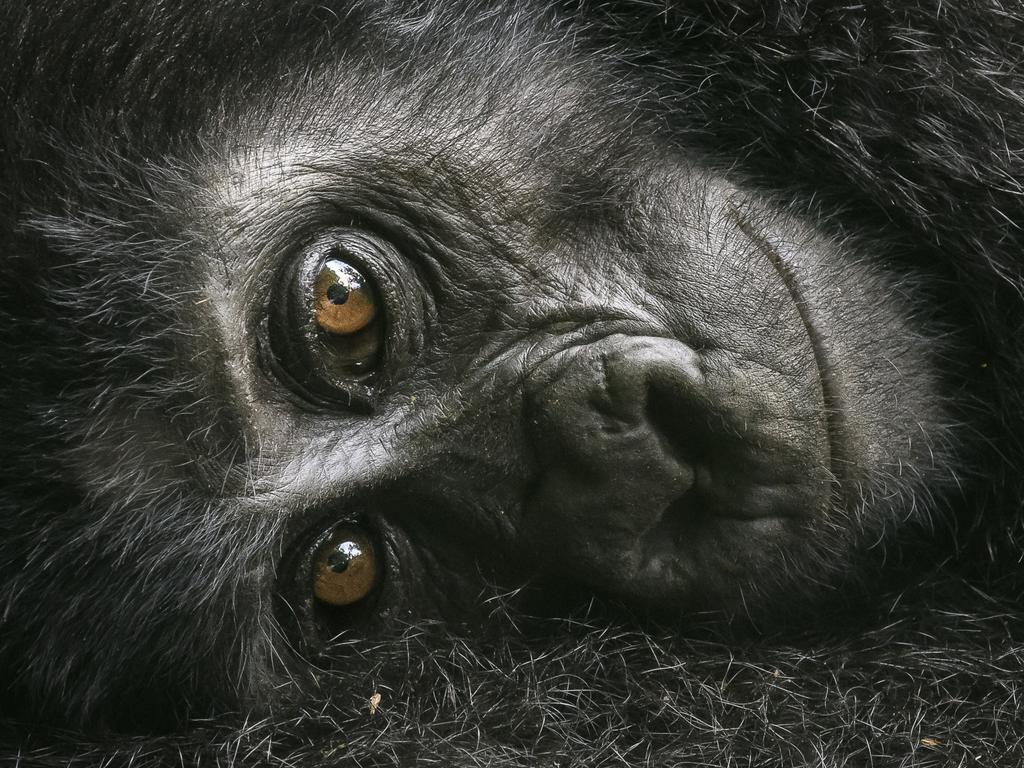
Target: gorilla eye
(344,336)
(344,303)
(345,569)
(328,320)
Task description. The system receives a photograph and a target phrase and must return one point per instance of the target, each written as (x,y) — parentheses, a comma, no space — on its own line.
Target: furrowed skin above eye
(511,383)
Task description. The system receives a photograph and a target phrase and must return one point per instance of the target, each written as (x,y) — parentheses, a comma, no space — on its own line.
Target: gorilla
(511,383)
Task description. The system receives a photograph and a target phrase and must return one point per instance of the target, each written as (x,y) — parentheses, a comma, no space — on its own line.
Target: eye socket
(345,569)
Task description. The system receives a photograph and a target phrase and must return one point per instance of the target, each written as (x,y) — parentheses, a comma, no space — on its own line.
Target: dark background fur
(894,122)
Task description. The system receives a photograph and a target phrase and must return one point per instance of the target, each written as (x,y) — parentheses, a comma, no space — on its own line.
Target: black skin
(622,353)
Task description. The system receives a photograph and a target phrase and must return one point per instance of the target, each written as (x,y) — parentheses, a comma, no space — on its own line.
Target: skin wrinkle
(833,407)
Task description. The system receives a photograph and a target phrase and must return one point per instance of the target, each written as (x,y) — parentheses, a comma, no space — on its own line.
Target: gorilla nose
(613,426)
(653,461)
(598,417)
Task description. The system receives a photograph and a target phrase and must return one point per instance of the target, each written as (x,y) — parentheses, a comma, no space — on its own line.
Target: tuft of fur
(937,681)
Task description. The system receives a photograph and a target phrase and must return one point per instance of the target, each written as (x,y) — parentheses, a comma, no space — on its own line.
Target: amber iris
(343,300)
(345,570)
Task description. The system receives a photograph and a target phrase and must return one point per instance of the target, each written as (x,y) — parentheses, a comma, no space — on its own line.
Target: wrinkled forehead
(497,122)
(515,117)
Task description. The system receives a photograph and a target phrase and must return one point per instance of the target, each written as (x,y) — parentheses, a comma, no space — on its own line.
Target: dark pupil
(338,293)
(338,561)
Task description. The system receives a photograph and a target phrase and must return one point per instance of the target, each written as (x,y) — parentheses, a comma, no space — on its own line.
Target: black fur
(892,124)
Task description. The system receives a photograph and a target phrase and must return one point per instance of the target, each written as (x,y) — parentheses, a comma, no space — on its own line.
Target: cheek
(765,288)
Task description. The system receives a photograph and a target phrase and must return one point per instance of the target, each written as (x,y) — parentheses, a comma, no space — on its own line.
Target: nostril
(610,427)
(680,425)
(629,369)
(620,388)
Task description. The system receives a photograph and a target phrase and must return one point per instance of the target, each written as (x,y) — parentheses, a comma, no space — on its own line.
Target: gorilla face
(634,378)
(370,342)
(668,404)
